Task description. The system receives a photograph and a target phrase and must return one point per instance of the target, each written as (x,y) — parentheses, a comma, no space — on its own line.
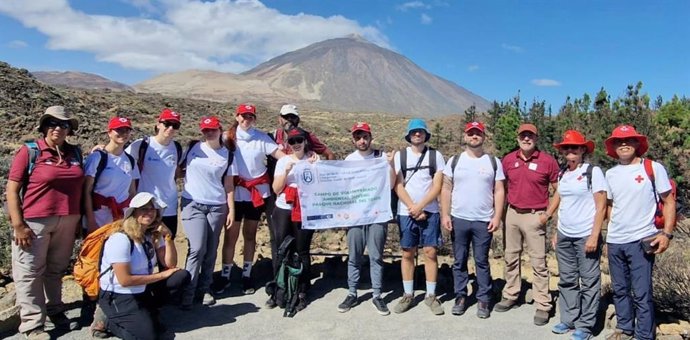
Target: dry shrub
(672,280)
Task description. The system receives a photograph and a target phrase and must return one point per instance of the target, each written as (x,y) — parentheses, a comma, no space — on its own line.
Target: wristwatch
(668,235)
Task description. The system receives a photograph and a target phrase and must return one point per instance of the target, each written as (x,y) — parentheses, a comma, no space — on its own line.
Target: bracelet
(168,237)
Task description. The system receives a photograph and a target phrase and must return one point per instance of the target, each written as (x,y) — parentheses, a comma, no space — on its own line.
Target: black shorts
(247,211)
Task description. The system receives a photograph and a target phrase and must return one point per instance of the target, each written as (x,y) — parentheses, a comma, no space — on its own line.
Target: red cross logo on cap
(247,107)
(207,120)
(624,128)
(475,124)
(359,124)
(174,114)
(123,119)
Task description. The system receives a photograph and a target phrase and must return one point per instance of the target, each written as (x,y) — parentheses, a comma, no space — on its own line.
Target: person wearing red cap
(529,172)
(208,206)
(110,177)
(371,236)
(287,219)
(632,239)
(472,200)
(157,157)
(252,188)
(581,203)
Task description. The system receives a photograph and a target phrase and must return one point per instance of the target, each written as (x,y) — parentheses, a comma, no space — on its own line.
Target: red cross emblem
(639,179)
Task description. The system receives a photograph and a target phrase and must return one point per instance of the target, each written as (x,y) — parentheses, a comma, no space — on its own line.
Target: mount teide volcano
(343,74)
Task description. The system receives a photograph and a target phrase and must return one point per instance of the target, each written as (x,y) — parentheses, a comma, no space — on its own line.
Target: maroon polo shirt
(528,180)
(53,189)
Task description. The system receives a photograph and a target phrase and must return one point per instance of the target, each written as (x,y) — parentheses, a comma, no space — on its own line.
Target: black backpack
(103,162)
(283,289)
(145,145)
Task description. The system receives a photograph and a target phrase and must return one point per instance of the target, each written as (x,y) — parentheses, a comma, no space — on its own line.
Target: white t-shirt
(203,182)
(634,205)
(474,180)
(158,175)
(116,177)
(576,210)
(250,156)
(117,249)
(290,180)
(419,184)
(357,156)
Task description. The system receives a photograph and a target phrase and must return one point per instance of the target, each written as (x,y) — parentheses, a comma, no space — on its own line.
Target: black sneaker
(220,285)
(483,310)
(301,302)
(459,307)
(248,286)
(380,305)
(60,321)
(349,302)
(271,303)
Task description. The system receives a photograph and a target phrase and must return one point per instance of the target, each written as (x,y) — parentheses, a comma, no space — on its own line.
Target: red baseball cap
(245,108)
(572,137)
(527,127)
(626,131)
(297,132)
(210,122)
(119,122)
(474,125)
(361,126)
(169,115)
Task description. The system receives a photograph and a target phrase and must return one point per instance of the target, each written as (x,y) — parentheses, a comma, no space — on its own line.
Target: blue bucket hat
(416,124)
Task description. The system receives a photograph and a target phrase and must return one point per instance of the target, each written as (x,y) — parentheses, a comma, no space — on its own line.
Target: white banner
(344,193)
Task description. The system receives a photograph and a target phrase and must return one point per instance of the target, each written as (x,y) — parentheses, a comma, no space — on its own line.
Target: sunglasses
(474,132)
(63,124)
(174,125)
(569,147)
(626,141)
(296,140)
(123,130)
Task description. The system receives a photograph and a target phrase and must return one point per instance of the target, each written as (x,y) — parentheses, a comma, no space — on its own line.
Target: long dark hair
(230,140)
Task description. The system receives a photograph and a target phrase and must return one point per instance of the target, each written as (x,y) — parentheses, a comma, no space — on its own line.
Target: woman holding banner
(287,217)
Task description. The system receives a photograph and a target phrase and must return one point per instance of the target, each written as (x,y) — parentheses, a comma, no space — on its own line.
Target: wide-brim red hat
(626,131)
(572,137)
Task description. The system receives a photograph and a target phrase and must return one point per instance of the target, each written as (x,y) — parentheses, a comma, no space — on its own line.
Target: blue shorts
(415,233)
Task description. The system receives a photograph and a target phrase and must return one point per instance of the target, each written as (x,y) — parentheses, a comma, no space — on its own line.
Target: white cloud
(472,68)
(546,82)
(426,19)
(413,5)
(222,35)
(513,48)
(17,44)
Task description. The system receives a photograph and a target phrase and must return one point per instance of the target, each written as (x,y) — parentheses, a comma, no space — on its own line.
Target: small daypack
(659,218)
(283,289)
(87,267)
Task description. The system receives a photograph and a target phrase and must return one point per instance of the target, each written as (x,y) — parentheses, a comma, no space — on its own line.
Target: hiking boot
(271,303)
(248,286)
(581,334)
(97,328)
(220,285)
(301,302)
(541,317)
(380,305)
(619,335)
(561,328)
(208,300)
(434,304)
(60,321)
(459,306)
(505,305)
(37,334)
(483,310)
(404,304)
(349,302)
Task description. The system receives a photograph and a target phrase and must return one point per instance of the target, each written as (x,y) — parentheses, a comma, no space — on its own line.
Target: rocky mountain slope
(80,80)
(343,74)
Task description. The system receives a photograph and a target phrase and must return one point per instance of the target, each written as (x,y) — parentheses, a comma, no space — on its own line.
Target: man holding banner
(371,236)
(418,184)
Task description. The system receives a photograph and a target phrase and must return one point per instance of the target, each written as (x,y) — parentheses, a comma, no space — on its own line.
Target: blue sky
(546,49)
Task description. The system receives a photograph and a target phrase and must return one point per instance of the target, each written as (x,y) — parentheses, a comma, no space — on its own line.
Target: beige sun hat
(141,199)
(59,112)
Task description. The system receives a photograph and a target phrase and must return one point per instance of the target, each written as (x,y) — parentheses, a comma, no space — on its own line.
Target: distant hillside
(343,74)
(80,80)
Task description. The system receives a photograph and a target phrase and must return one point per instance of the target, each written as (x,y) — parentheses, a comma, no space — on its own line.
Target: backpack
(587,174)
(34,152)
(87,267)
(283,289)
(192,143)
(454,163)
(103,162)
(659,218)
(417,167)
(145,145)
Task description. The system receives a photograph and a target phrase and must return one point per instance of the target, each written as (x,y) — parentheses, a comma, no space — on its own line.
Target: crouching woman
(128,283)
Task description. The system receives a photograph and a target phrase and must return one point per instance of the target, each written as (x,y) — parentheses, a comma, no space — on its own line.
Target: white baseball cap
(289,109)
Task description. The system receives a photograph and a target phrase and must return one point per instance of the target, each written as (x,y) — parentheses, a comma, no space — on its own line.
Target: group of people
(232,177)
